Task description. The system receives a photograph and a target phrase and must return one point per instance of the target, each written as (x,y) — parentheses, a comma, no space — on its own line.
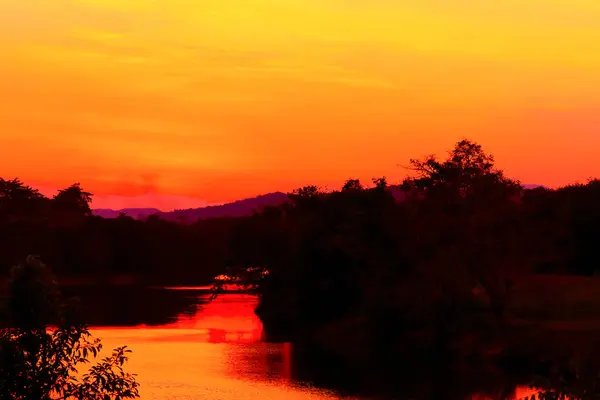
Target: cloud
(219,98)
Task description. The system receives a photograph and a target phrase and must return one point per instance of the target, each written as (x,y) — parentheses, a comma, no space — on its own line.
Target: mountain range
(239,208)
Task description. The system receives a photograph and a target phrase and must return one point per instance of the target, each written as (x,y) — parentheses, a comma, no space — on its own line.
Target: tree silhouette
(352,184)
(468,170)
(380,183)
(483,224)
(359,269)
(73,199)
(40,362)
(17,200)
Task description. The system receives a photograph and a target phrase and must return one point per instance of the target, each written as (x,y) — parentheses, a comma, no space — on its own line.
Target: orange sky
(194,101)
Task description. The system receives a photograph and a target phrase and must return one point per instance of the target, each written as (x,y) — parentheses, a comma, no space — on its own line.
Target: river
(186,347)
(211,350)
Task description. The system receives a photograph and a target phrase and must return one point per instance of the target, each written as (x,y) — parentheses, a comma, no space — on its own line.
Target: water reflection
(133,306)
(186,347)
(203,350)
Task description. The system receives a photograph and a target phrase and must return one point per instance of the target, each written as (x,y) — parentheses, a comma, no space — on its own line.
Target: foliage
(414,266)
(73,199)
(358,254)
(462,201)
(468,171)
(38,361)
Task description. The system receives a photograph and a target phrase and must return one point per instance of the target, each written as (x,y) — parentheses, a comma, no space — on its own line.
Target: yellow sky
(217,100)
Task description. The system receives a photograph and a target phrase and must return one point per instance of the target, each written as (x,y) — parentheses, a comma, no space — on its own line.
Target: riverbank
(549,319)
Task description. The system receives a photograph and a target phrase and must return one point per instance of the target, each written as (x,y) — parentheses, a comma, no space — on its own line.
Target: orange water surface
(216,353)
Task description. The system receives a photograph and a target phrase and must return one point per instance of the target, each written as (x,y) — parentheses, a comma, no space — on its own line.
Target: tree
(380,183)
(39,362)
(17,198)
(481,221)
(467,171)
(74,199)
(15,190)
(352,185)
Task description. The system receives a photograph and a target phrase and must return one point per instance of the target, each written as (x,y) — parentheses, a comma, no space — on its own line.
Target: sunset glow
(219,100)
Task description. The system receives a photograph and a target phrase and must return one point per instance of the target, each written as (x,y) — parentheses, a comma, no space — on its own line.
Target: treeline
(416,286)
(463,227)
(460,213)
(79,246)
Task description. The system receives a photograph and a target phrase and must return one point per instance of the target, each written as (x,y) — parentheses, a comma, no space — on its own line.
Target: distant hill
(240,208)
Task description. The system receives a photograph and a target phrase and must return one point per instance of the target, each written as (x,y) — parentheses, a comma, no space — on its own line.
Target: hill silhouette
(238,208)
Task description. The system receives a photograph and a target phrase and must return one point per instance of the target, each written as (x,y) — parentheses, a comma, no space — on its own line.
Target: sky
(177,103)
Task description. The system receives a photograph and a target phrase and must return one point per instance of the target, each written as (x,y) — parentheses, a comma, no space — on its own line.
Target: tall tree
(475,217)
(468,170)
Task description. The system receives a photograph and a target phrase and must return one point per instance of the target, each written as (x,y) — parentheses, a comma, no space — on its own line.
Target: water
(187,347)
(195,349)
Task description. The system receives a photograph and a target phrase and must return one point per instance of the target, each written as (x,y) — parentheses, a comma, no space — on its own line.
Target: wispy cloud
(232,93)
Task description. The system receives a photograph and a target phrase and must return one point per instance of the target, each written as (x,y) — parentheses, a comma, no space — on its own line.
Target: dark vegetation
(555,229)
(86,248)
(45,349)
(439,284)
(453,274)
